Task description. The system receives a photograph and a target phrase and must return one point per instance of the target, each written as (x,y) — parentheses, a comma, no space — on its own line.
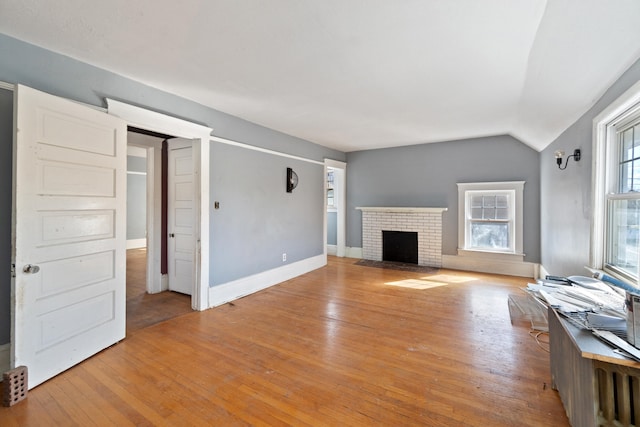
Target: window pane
(489,201)
(476,213)
(476,201)
(636,141)
(330,198)
(502,201)
(502,213)
(630,176)
(624,225)
(629,169)
(627,145)
(626,177)
(635,181)
(489,213)
(490,235)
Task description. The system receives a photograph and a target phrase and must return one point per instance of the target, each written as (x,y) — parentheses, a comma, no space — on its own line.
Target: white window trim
(604,130)
(515,186)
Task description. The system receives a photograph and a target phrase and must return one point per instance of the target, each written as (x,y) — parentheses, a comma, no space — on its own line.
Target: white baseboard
(542,272)
(136,243)
(484,265)
(248,285)
(5,358)
(332,250)
(353,252)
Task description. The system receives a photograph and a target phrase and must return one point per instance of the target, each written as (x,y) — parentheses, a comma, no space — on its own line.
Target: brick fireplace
(427,222)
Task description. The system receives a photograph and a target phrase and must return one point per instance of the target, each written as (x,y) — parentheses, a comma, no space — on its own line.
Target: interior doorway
(153,122)
(144,307)
(335,207)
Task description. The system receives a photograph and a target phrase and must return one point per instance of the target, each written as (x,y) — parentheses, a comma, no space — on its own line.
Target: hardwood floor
(145,309)
(343,345)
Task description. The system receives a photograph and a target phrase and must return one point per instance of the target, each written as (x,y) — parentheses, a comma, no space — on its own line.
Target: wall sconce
(292,180)
(560,154)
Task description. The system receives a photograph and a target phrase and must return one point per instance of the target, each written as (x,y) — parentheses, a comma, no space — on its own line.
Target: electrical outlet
(284,257)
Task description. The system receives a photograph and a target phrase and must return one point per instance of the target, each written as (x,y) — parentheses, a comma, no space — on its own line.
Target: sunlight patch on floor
(416,284)
(446,278)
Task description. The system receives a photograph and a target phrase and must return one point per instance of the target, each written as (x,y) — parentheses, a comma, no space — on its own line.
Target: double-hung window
(490,220)
(623,201)
(615,223)
(490,217)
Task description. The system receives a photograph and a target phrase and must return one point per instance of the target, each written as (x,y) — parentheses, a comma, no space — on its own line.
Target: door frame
(157,122)
(340,194)
(155,282)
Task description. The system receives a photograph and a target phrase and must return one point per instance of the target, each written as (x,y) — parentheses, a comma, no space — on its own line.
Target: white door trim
(157,122)
(156,282)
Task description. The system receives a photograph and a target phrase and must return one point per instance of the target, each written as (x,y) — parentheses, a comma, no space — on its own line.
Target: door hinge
(13,270)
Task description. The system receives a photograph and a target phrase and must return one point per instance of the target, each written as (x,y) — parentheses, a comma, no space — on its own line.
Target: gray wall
(6,145)
(426,175)
(258,220)
(332,228)
(136,198)
(62,76)
(59,75)
(565,196)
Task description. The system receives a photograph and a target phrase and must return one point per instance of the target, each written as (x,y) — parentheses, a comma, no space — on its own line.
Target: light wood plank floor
(143,309)
(343,345)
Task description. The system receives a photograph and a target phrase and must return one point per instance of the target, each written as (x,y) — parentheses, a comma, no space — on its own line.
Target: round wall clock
(292,180)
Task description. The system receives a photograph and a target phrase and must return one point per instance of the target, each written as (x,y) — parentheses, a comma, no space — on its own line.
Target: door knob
(172,235)
(31,269)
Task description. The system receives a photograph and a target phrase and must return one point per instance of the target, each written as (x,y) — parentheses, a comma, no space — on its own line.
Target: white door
(69,233)
(181,216)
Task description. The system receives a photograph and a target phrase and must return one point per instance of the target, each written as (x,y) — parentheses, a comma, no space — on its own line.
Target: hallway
(145,309)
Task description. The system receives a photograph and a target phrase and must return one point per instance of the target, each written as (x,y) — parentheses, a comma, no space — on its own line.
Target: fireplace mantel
(401,209)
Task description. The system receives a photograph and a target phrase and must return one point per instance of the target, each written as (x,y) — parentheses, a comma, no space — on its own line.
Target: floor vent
(15,386)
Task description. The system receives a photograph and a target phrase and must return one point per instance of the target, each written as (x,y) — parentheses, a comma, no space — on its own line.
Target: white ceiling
(357,74)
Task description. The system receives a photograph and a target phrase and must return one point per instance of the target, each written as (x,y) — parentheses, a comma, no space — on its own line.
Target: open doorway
(335,202)
(144,208)
(150,121)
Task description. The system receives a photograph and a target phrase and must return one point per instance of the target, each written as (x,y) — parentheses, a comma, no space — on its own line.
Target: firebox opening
(400,246)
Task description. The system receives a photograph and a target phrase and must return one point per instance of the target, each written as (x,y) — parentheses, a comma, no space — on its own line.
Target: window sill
(501,256)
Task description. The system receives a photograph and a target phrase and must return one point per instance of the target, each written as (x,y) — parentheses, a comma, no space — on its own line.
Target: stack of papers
(602,306)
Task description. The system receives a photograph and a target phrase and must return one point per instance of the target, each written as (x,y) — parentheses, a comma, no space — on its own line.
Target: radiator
(618,391)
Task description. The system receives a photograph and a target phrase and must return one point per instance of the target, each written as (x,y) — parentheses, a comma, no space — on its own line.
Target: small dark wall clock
(292,180)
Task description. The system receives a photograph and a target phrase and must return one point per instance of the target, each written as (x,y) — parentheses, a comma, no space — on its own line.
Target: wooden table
(598,387)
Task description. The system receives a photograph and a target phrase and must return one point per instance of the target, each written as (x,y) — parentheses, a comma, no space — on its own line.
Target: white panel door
(69,233)
(181,217)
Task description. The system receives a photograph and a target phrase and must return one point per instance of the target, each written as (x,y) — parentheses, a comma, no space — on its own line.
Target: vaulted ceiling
(357,74)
